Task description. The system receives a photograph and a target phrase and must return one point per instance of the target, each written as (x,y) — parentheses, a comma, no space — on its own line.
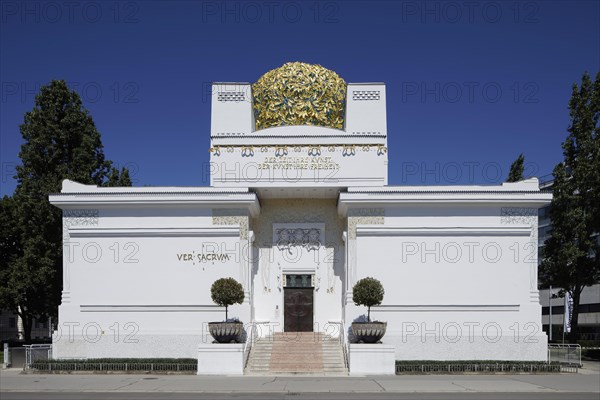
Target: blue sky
(469,85)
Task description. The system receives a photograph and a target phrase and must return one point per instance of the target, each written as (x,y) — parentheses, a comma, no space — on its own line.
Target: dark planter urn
(368,332)
(226,332)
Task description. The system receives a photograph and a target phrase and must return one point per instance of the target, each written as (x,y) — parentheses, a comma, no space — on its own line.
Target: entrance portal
(298,303)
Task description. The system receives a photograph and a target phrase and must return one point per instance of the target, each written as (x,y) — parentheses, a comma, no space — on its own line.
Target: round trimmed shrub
(226,292)
(368,292)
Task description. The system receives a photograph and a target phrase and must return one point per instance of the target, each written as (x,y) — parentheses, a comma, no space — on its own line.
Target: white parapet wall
(93,343)
(139,264)
(454,342)
(299,156)
(459,268)
(221,359)
(372,359)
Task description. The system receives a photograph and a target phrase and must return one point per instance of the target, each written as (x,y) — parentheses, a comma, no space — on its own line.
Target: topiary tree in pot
(226,292)
(368,292)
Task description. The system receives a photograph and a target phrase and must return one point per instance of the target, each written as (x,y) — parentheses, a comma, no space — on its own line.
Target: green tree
(570,255)
(226,292)
(10,250)
(516,169)
(124,178)
(9,235)
(116,178)
(368,292)
(61,142)
(113,178)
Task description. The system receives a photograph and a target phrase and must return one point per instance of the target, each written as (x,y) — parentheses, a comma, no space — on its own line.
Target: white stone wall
(458,280)
(365,108)
(137,280)
(271,262)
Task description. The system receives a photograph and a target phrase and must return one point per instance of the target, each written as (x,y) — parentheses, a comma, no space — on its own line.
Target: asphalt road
(299,396)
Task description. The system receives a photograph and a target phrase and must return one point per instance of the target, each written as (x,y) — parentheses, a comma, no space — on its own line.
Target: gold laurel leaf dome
(299,94)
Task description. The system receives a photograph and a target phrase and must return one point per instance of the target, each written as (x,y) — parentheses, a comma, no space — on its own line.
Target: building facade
(298,210)
(11,328)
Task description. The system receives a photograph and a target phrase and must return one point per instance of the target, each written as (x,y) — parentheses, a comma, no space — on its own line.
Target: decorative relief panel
(87,217)
(232,216)
(366,95)
(518,215)
(521,216)
(309,150)
(309,239)
(364,216)
(298,211)
(231,96)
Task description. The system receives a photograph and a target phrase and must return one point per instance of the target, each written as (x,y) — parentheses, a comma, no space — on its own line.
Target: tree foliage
(116,178)
(226,292)
(516,169)
(368,292)
(571,253)
(61,142)
(10,251)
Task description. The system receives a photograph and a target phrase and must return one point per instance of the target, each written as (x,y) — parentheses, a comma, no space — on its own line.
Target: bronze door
(298,309)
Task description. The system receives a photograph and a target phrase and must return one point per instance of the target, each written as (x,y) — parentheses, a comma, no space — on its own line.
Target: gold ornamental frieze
(311,150)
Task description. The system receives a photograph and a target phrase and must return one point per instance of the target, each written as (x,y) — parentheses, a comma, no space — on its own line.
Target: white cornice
(112,308)
(380,230)
(72,187)
(75,195)
(378,199)
(308,140)
(527,185)
(211,231)
(92,201)
(446,308)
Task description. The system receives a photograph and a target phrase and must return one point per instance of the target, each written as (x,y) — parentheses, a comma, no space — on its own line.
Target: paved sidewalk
(587,381)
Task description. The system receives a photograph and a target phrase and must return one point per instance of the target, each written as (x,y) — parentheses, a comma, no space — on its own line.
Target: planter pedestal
(368,332)
(226,332)
(221,359)
(372,359)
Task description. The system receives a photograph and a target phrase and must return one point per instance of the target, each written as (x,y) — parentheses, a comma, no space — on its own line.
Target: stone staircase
(297,353)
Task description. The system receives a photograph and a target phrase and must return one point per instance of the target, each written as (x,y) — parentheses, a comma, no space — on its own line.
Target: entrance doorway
(298,303)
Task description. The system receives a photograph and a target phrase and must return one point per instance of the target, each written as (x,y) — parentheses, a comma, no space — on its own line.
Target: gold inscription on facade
(302,163)
(202,257)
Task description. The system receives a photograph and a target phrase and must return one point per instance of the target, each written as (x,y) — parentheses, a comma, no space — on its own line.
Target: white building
(298,213)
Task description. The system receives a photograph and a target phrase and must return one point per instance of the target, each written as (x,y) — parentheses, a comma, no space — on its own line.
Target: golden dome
(299,94)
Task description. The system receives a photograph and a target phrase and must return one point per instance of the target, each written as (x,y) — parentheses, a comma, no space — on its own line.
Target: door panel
(298,309)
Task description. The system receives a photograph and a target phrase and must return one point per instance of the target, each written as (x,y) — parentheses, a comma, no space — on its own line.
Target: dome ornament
(299,94)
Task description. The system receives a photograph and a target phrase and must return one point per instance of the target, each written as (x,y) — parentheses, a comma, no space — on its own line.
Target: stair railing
(250,333)
(343,342)
(344,345)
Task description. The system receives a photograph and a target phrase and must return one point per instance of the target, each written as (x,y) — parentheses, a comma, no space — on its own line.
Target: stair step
(297,354)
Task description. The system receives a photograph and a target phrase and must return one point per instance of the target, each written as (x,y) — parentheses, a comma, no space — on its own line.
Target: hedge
(121,360)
